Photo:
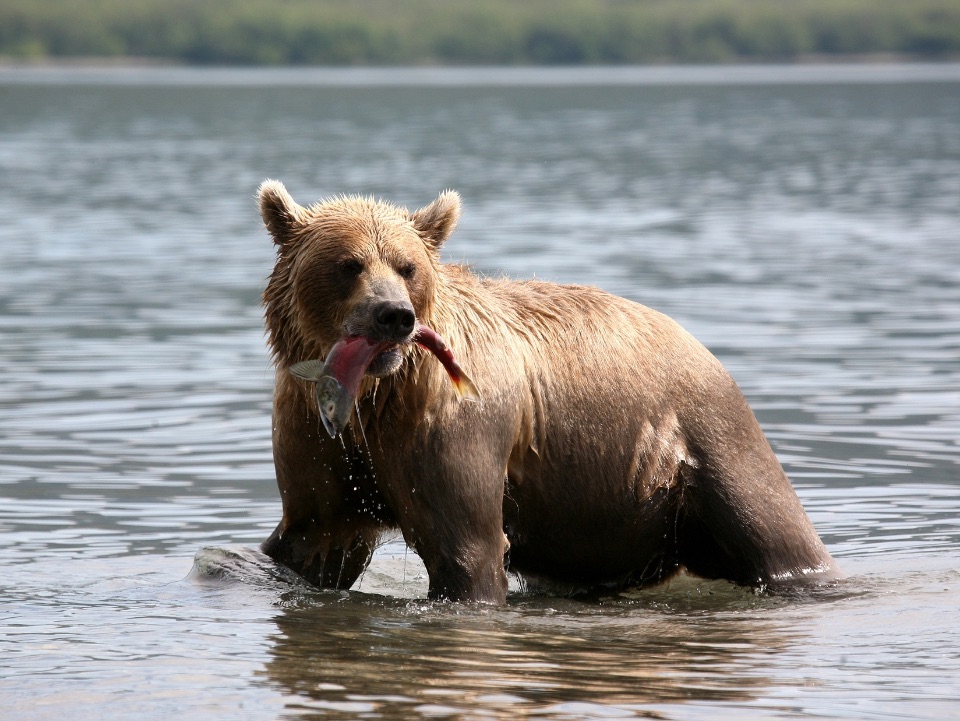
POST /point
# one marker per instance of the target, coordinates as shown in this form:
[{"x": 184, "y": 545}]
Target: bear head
[{"x": 351, "y": 266}]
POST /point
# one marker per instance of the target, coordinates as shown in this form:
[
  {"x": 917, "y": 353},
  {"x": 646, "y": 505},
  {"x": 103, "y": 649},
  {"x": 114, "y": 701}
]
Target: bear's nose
[{"x": 395, "y": 319}]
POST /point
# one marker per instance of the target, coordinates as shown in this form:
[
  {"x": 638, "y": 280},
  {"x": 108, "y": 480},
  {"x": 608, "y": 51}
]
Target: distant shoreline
[
  {"x": 152, "y": 74},
  {"x": 348, "y": 33},
  {"x": 839, "y": 59}
]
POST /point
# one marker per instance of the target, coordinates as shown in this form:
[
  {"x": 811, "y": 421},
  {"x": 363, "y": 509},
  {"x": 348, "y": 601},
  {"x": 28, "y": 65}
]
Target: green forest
[{"x": 475, "y": 32}]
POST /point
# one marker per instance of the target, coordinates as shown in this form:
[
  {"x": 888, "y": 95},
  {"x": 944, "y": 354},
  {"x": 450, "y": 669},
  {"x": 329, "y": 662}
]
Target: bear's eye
[
  {"x": 351, "y": 267},
  {"x": 407, "y": 271}
]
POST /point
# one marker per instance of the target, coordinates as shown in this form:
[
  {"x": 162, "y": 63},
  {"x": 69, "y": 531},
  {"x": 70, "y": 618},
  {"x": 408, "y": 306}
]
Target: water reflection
[
  {"x": 366, "y": 654},
  {"x": 538, "y": 658}
]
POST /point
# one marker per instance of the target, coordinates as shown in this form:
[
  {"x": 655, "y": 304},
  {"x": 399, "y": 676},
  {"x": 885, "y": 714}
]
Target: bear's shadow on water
[{"x": 363, "y": 653}]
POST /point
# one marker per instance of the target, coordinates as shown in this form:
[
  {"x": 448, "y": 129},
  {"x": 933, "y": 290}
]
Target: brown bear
[{"x": 608, "y": 448}]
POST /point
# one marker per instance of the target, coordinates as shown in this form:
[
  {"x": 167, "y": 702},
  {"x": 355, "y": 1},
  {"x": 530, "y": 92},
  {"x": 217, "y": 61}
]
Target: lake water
[{"x": 804, "y": 223}]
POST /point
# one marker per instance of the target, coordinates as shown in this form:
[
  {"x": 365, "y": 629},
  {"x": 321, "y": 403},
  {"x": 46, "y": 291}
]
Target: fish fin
[
  {"x": 310, "y": 370},
  {"x": 465, "y": 388}
]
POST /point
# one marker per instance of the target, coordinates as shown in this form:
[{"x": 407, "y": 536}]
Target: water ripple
[{"x": 806, "y": 233}]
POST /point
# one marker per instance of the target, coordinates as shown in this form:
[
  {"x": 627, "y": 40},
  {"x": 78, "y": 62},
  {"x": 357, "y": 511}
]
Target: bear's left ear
[
  {"x": 436, "y": 221},
  {"x": 280, "y": 213}
]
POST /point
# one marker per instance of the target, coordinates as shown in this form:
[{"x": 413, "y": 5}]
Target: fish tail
[{"x": 464, "y": 387}]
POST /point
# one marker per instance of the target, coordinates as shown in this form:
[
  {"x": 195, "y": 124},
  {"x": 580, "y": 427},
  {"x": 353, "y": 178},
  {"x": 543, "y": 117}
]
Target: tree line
[{"x": 493, "y": 32}]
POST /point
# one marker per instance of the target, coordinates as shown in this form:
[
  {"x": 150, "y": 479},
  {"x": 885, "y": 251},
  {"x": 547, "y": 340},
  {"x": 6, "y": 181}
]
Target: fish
[
  {"x": 428, "y": 339},
  {"x": 333, "y": 400},
  {"x": 337, "y": 378}
]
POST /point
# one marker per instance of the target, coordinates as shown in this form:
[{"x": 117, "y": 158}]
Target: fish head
[{"x": 335, "y": 404}]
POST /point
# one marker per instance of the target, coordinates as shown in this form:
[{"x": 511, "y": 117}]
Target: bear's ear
[
  {"x": 279, "y": 211},
  {"x": 436, "y": 221}
]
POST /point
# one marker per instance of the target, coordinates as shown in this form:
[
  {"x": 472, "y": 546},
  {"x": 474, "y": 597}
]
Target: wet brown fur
[{"x": 609, "y": 448}]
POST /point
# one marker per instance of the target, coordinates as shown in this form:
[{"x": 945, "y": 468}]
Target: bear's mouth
[
  {"x": 385, "y": 362},
  {"x": 338, "y": 377}
]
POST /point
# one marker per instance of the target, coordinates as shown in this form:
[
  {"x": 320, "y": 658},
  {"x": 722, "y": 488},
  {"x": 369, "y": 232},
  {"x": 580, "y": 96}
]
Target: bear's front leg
[
  {"x": 468, "y": 568},
  {"x": 332, "y": 514},
  {"x": 328, "y": 555},
  {"x": 451, "y": 512}
]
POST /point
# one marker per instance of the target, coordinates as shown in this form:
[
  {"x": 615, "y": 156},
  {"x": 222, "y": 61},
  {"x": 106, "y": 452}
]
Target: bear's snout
[{"x": 394, "y": 319}]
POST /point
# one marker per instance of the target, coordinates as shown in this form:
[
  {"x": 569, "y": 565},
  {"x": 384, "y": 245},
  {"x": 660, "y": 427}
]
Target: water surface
[{"x": 804, "y": 227}]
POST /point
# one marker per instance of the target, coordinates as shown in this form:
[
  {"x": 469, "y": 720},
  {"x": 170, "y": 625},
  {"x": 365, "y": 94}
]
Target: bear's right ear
[{"x": 279, "y": 211}]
